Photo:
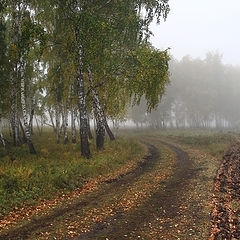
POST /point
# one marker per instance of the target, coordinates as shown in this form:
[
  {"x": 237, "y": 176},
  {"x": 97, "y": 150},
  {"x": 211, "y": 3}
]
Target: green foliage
[
  {"x": 152, "y": 75},
  {"x": 50, "y": 43},
  {"x": 9, "y": 183}
]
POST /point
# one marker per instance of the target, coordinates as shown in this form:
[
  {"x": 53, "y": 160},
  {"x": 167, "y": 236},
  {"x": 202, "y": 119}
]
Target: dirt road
[{"x": 149, "y": 202}]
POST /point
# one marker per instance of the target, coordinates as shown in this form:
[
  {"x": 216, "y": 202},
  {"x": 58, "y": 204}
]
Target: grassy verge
[
  {"x": 212, "y": 141},
  {"x": 57, "y": 168}
]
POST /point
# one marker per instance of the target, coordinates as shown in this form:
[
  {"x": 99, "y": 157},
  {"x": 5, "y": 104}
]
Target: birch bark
[
  {"x": 100, "y": 130},
  {"x": 85, "y": 149},
  {"x": 1, "y": 134},
  {"x": 73, "y": 125},
  {"x": 24, "y": 109}
]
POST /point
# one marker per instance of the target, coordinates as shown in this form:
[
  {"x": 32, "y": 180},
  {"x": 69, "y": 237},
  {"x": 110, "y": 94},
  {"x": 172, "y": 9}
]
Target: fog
[
  {"x": 203, "y": 38},
  {"x": 197, "y": 27},
  {"x": 202, "y": 94}
]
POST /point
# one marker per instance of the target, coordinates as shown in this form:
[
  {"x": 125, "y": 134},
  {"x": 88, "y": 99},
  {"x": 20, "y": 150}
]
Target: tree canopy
[{"x": 78, "y": 58}]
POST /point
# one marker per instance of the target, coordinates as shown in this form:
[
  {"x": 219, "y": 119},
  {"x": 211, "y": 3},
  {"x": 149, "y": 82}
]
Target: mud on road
[
  {"x": 162, "y": 206},
  {"x": 149, "y": 202},
  {"x": 226, "y": 201}
]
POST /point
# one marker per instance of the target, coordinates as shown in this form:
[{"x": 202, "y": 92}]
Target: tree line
[
  {"x": 202, "y": 94},
  {"x": 76, "y": 59}
]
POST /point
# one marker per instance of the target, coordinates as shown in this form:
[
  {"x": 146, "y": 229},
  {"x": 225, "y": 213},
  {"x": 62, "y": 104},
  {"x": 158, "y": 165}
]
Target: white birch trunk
[
  {"x": 57, "y": 117},
  {"x": 73, "y": 125},
  {"x": 100, "y": 131},
  {"x": 24, "y": 109},
  {"x": 85, "y": 149},
  {"x": 65, "y": 123},
  {"x": 14, "y": 109},
  {"x": 1, "y": 134}
]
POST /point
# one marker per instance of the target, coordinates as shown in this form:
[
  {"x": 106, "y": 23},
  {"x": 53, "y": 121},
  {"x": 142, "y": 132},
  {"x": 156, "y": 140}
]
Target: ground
[{"x": 169, "y": 194}]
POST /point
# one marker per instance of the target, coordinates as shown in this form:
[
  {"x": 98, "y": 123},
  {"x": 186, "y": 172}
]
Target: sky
[{"x": 195, "y": 27}]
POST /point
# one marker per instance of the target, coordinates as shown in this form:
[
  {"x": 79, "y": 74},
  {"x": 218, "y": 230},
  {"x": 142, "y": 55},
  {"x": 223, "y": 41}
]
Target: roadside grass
[
  {"x": 57, "y": 168},
  {"x": 214, "y": 142}
]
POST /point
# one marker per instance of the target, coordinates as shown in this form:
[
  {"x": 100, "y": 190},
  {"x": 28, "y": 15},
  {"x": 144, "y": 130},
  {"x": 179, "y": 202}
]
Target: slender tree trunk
[
  {"x": 100, "y": 131},
  {"x": 85, "y": 149},
  {"x": 31, "y": 121},
  {"x": 89, "y": 129},
  {"x": 24, "y": 110},
  {"x": 1, "y": 134},
  {"x": 51, "y": 119},
  {"x": 38, "y": 127},
  {"x": 73, "y": 125},
  {"x": 57, "y": 126},
  {"x": 65, "y": 124},
  {"x": 23, "y": 132},
  {"x": 100, "y": 116},
  {"x": 9, "y": 126},
  {"x": 14, "y": 109},
  {"x": 42, "y": 122},
  {"x": 109, "y": 132}
]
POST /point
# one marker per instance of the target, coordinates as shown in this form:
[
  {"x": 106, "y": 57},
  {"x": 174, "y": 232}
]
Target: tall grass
[{"x": 56, "y": 168}]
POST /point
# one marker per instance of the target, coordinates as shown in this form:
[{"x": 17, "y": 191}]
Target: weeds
[{"x": 56, "y": 168}]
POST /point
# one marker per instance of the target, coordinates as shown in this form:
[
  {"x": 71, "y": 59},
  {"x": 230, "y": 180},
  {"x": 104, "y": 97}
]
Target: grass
[
  {"x": 56, "y": 168},
  {"x": 212, "y": 141}
]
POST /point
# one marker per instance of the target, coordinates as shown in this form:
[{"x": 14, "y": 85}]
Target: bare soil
[
  {"x": 162, "y": 205},
  {"x": 226, "y": 200},
  {"x": 149, "y": 202}
]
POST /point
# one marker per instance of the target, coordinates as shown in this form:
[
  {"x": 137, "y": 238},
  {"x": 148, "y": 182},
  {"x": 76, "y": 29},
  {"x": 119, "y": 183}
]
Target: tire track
[
  {"x": 130, "y": 225},
  {"x": 45, "y": 222}
]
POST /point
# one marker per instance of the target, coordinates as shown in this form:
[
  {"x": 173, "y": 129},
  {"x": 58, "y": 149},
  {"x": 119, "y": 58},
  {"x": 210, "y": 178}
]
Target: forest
[
  {"x": 201, "y": 94},
  {"x": 77, "y": 60}
]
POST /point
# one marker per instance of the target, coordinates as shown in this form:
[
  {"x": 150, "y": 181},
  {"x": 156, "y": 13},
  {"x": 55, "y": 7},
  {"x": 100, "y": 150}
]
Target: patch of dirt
[
  {"x": 44, "y": 207},
  {"x": 156, "y": 217},
  {"x": 107, "y": 185},
  {"x": 226, "y": 200},
  {"x": 150, "y": 201}
]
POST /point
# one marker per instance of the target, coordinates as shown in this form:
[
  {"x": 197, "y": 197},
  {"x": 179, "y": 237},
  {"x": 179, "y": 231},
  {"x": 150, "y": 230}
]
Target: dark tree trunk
[
  {"x": 51, "y": 118},
  {"x": 99, "y": 139},
  {"x": 90, "y": 136},
  {"x": 65, "y": 124},
  {"x": 31, "y": 121},
  {"x": 85, "y": 149},
  {"x": 100, "y": 131},
  {"x": 109, "y": 132}
]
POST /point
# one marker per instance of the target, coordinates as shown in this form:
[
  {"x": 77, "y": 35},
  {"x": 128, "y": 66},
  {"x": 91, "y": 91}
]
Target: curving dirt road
[
  {"x": 146, "y": 203},
  {"x": 162, "y": 204}
]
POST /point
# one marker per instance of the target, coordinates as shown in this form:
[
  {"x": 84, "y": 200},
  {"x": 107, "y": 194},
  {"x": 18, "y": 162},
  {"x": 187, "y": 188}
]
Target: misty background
[
  {"x": 197, "y": 27},
  {"x": 204, "y": 92}
]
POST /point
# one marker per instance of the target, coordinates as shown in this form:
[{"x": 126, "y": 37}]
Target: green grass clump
[{"x": 56, "y": 168}]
